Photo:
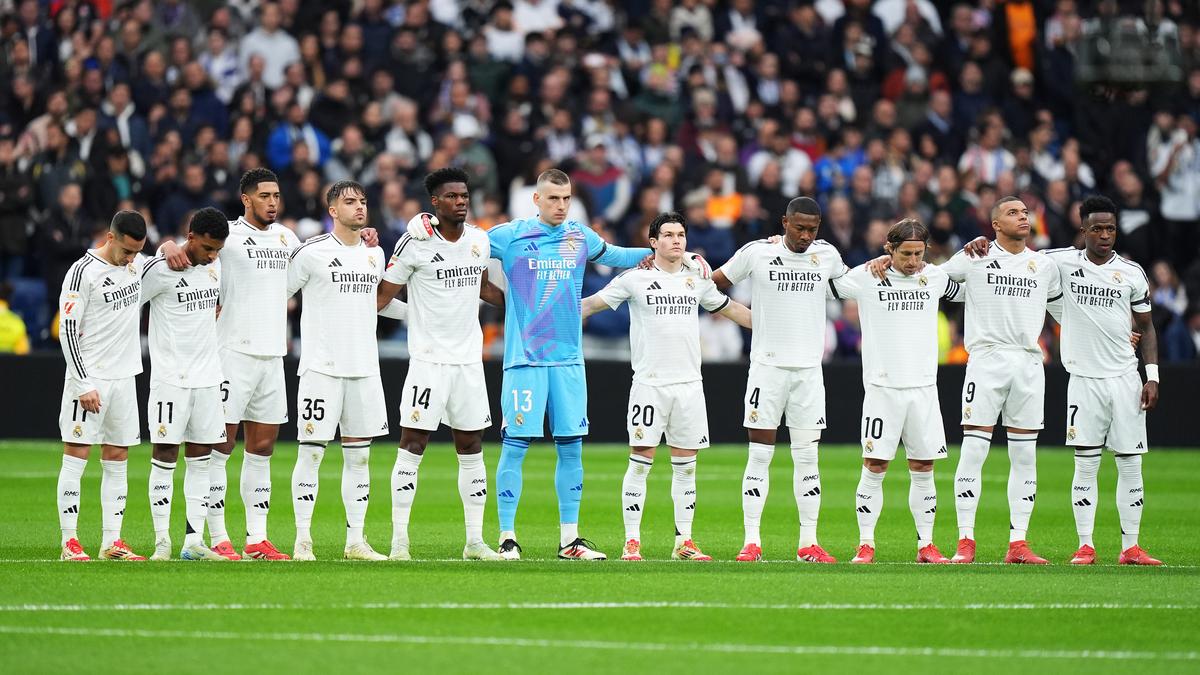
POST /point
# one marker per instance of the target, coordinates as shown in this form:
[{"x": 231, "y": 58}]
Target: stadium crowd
[{"x": 721, "y": 110}]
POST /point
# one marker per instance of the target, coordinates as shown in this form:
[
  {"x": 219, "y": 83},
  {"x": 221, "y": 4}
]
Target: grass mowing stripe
[
  {"x": 649, "y": 604},
  {"x": 720, "y": 648}
]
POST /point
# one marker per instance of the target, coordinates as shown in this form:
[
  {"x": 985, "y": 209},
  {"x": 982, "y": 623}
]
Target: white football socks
[
  {"x": 756, "y": 482},
  {"x": 968, "y": 483},
  {"x": 633, "y": 495},
  {"x": 218, "y": 482},
  {"x": 356, "y": 487},
  {"x": 683, "y": 494},
  {"x": 306, "y": 485},
  {"x": 69, "y": 477},
  {"x": 404, "y": 490},
  {"x": 256, "y": 495},
  {"x": 922, "y": 501},
  {"x": 806, "y": 483},
  {"x": 114, "y": 489},
  {"x": 1083, "y": 495},
  {"x": 472, "y": 489},
  {"x": 162, "y": 490},
  {"x": 1130, "y": 497},
  {"x": 868, "y": 502},
  {"x": 195, "y": 495},
  {"x": 1022, "y": 483}
]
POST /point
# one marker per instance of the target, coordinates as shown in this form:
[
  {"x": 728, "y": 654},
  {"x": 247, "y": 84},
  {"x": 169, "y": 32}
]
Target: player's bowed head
[{"x": 906, "y": 243}]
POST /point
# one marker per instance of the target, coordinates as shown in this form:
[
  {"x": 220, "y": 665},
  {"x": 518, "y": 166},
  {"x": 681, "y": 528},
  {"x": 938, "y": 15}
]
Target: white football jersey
[
  {"x": 443, "y": 281},
  {"x": 99, "y": 315},
  {"x": 1006, "y": 297},
  {"x": 788, "y": 299},
  {"x": 664, "y": 332},
  {"x": 899, "y": 316},
  {"x": 1096, "y": 320},
  {"x": 254, "y": 298},
  {"x": 337, "y": 321},
  {"x": 183, "y": 323}
]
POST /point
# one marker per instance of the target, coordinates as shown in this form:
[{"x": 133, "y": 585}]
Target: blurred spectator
[
  {"x": 13, "y": 337},
  {"x": 16, "y": 196},
  {"x": 606, "y": 183},
  {"x": 276, "y": 47}
]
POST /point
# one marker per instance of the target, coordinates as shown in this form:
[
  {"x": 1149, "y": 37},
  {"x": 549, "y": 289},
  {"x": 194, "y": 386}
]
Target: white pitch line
[
  {"x": 643, "y": 563},
  {"x": 717, "y": 648},
  {"x": 665, "y": 604}
]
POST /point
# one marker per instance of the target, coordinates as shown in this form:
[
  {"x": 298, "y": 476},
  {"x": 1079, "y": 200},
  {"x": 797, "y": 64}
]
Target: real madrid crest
[
  {"x": 308, "y": 429},
  {"x": 371, "y": 260},
  {"x": 475, "y": 253},
  {"x": 967, "y": 413},
  {"x": 572, "y": 244},
  {"x": 1117, "y": 277},
  {"x": 212, "y": 274},
  {"x": 129, "y": 268},
  {"x": 162, "y": 431},
  {"x": 520, "y": 419},
  {"x": 753, "y": 415},
  {"x": 1032, "y": 266},
  {"x": 923, "y": 280},
  {"x": 1071, "y": 433},
  {"x": 690, "y": 283},
  {"x": 870, "y": 446},
  {"x": 415, "y": 416},
  {"x": 77, "y": 432},
  {"x": 637, "y": 433},
  {"x": 814, "y": 260},
  {"x": 283, "y": 240}
]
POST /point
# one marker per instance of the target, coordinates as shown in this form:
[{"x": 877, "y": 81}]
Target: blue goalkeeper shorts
[{"x": 530, "y": 393}]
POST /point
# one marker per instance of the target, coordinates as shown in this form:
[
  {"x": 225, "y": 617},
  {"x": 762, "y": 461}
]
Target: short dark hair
[
  {"x": 209, "y": 222},
  {"x": 130, "y": 224},
  {"x": 253, "y": 177},
  {"x": 554, "y": 177},
  {"x": 909, "y": 229},
  {"x": 664, "y": 218},
  {"x": 1096, "y": 204},
  {"x": 450, "y": 174},
  {"x": 804, "y": 205},
  {"x": 342, "y": 187},
  {"x": 1001, "y": 202}
]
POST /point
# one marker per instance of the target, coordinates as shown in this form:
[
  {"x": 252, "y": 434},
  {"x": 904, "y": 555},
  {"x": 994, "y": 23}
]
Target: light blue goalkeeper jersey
[{"x": 544, "y": 266}]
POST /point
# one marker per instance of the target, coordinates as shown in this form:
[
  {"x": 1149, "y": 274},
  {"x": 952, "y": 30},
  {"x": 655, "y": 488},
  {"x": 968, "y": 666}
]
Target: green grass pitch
[{"x": 543, "y": 615}]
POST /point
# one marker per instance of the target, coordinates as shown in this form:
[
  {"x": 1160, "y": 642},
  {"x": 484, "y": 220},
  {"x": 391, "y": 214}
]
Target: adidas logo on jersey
[
  {"x": 886, "y": 282},
  {"x": 406, "y": 487},
  {"x": 531, "y": 247},
  {"x": 752, "y": 492},
  {"x": 263, "y": 505},
  {"x": 1139, "y": 502},
  {"x": 182, "y": 284},
  {"x": 437, "y": 258},
  {"x": 994, "y": 265},
  {"x": 1083, "y": 502},
  {"x": 481, "y": 493},
  {"x": 335, "y": 263},
  {"x": 1141, "y": 446},
  {"x": 364, "y": 498},
  {"x": 306, "y": 498},
  {"x": 969, "y": 494},
  {"x": 863, "y": 509},
  {"x": 1077, "y": 273},
  {"x": 108, "y": 282},
  {"x": 704, "y": 439},
  {"x": 813, "y": 492},
  {"x": 162, "y": 502},
  {"x": 583, "y": 423},
  {"x": 508, "y": 494},
  {"x": 633, "y": 507},
  {"x": 778, "y": 262},
  {"x": 250, "y": 241},
  {"x": 654, "y": 287}
]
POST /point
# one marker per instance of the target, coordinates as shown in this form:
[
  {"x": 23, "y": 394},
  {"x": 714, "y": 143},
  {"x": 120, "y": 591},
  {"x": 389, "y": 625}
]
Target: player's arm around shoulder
[
  {"x": 298, "y": 267},
  {"x": 739, "y": 266}
]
